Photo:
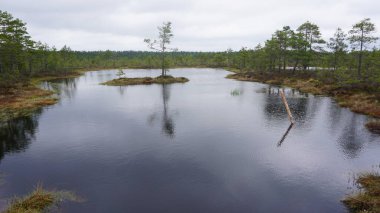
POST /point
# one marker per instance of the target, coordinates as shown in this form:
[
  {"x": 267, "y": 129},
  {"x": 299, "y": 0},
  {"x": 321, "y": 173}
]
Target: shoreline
[
  {"x": 24, "y": 99},
  {"x": 356, "y": 100},
  {"x": 145, "y": 81}
]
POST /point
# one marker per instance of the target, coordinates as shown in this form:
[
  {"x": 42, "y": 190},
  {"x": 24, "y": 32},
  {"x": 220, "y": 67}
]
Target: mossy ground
[
  {"x": 146, "y": 80},
  {"x": 49, "y": 77},
  {"x": 368, "y": 199},
  {"x": 24, "y": 98},
  {"x": 39, "y": 200},
  {"x": 373, "y": 126},
  {"x": 357, "y": 99}
]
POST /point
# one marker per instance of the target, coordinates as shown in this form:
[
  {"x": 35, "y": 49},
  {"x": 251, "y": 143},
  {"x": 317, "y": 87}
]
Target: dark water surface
[{"x": 210, "y": 145}]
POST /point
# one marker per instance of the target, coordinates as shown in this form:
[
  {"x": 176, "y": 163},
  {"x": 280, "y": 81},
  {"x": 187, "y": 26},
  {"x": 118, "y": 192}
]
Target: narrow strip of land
[{"x": 146, "y": 80}]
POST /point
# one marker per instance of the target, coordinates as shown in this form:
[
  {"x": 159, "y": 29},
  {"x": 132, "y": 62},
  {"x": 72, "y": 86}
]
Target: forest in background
[
  {"x": 348, "y": 64},
  {"x": 346, "y": 59}
]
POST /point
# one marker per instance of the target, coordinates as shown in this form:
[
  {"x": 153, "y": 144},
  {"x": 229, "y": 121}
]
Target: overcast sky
[{"x": 198, "y": 25}]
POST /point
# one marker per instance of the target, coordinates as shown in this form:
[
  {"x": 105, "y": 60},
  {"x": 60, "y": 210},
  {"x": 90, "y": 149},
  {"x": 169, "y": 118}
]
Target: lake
[{"x": 209, "y": 145}]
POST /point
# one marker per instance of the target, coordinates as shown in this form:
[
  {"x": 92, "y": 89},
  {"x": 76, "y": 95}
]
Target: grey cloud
[{"x": 198, "y": 24}]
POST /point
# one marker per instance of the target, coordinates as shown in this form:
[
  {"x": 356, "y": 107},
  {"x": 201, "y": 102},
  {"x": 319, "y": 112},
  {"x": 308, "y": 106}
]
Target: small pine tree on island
[{"x": 120, "y": 73}]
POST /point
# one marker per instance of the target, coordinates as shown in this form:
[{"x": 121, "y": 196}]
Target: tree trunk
[
  {"x": 30, "y": 66},
  {"x": 12, "y": 63},
  {"x": 163, "y": 64},
  {"x": 295, "y": 66},
  {"x": 360, "y": 62},
  {"x": 360, "y": 57}
]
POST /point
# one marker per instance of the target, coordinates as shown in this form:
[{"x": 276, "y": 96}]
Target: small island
[
  {"x": 167, "y": 79},
  {"x": 161, "y": 46}
]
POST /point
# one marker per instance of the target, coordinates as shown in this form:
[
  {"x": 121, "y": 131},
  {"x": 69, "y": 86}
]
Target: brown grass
[
  {"x": 50, "y": 76},
  {"x": 22, "y": 100},
  {"x": 357, "y": 99},
  {"x": 368, "y": 199},
  {"x": 373, "y": 126},
  {"x": 39, "y": 200},
  {"x": 360, "y": 102},
  {"x": 309, "y": 86}
]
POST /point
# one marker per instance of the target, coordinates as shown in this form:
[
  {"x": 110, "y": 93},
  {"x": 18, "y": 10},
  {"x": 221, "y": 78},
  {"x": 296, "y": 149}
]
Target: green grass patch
[{"x": 145, "y": 81}]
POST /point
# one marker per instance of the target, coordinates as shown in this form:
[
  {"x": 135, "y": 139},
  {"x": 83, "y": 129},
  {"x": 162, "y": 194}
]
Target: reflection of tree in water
[
  {"x": 16, "y": 135},
  {"x": 275, "y": 110},
  {"x": 121, "y": 90},
  {"x": 350, "y": 140},
  {"x": 69, "y": 87},
  {"x": 168, "y": 126},
  {"x": 335, "y": 117},
  {"x": 346, "y": 126},
  {"x": 167, "y": 121},
  {"x": 63, "y": 87}
]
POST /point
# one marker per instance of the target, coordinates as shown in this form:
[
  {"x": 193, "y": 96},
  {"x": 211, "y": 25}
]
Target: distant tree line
[{"x": 346, "y": 58}]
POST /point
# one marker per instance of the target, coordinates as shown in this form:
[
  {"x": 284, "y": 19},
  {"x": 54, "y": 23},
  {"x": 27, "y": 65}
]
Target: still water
[{"x": 210, "y": 145}]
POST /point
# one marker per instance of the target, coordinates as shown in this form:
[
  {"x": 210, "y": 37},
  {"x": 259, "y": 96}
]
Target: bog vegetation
[
  {"x": 40, "y": 200},
  {"x": 347, "y": 58},
  {"x": 347, "y": 64},
  {"x": 368, "y": 199},
  {"x": 167, "y": 79},
  {"x": 161, "y": 45}
]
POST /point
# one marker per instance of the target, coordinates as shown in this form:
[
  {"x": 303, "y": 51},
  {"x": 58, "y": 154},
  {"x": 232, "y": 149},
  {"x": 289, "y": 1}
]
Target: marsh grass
[
  {"x": 368, "y": 198},
  {"x": 49, "y": 77},
  {"x": 373, "y": 126},
  {"x": 360, "y": 102},
  {"x": 145, "y": 80},
  {"x": 236, "y": 92},
  {"x": 356, "y": 98},
  {"x": 23, "y": 100},
  {"x": 40, "y": 200}
]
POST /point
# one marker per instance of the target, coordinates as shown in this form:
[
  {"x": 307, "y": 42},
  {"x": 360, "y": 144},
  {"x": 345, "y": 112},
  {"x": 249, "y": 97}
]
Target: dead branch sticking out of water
[{"x": 291, "y": 119}]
